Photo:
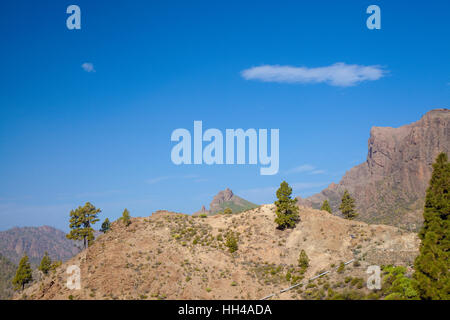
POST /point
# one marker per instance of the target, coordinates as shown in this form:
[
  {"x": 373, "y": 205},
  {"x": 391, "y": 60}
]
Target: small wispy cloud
[
  {"x": 305, "y": 168},
  {"x": 164, "y": 178},
  {"x": 88, "y": 67},
  {"x": 338, "y": 74},
  {"x": 302, "y": 168}
]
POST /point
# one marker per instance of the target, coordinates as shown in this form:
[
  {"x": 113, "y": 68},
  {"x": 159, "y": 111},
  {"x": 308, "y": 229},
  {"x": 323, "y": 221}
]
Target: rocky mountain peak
[{"x": 390, "y": 186}]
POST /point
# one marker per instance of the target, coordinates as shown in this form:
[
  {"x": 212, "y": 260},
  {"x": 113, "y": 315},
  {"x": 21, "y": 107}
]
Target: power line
[{"x": 311, "y": 279}]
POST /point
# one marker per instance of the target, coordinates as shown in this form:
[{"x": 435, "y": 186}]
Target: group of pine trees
[
  {"x": 24, "y": 273},
  {"x": 287, "y": 210},
  {"x": 431, "y": 278},
  {"x": 81, "y": 221},
  {"x": 347, "y": 206}
]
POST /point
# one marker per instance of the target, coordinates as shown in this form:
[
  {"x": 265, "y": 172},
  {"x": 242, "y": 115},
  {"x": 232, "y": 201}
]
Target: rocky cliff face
[{"x": 390, "y": 186}]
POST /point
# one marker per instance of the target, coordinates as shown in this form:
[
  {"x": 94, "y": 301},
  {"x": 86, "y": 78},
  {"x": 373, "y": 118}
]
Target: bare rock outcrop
[{"x": 390, "y": 186}]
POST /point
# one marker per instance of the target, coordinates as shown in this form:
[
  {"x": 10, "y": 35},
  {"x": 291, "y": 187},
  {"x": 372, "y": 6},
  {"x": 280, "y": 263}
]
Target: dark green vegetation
[
  {"x": 303, "y": 260},
  {"x": 106, "y": 225},
  {"x": 326, "y": 206},
  {"x": 432, "y": 266},
  {"x": 46, "y": 264},
  {"x": 81, "y": 221},
  {"x": 347, "y": 206},
  {"x": 396, "y": 285},
  {"x": 7, "y": 272},
  {"x": 232, "y": 242},
  {"x": 287, "y": 210},
  {"x": 23, "y": 274},
  {"x": 126, "y": 218}
]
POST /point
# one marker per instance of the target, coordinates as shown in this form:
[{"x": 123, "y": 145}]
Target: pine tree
[
  {"x": 347, "y": 206},
  {"x": 106, "y": 225},
  {"x": 46, "y": 263},
  {"x": 81, "y": 221},
  {"x": 126, "y": 218},
  {"x": 303, "y": 260},
  {"x": 232, "y": 242},
  {"x": 326, "y": 206},
  {"x": 287, "y": 210},
  {"x": 23, "y": 274},
  {"x": 432, "y": 265}
]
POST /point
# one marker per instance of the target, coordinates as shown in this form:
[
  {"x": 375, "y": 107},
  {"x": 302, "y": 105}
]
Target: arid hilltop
[
  {"x": 176, "y": 256},
  {"x": 390, "y": 186}
]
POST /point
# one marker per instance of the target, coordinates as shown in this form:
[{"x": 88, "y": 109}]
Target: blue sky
[{"x": 68, "y": 136}]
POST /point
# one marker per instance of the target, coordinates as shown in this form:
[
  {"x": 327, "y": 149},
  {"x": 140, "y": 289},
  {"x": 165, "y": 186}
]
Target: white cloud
[
  {"x": 88, "y": 67},
  {"x": 306, "y": 168},
  {"x": 338, "y": 74},
  {"x": 302, "y": 168}
]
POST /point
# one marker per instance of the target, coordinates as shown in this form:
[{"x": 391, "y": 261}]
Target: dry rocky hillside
[
  {"x": 390, "y": 186},
  {"x": 176, "y": 256}
]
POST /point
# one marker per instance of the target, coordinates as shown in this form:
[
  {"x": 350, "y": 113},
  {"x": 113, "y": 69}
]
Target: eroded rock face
[
  {"x": 221, "y": 197},
  {"x": 390, "y": 186}
]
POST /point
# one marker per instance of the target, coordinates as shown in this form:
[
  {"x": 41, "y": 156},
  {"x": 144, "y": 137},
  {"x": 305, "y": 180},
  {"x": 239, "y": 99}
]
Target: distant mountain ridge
[
  {"x": 226, "y": 199},
  {"x": 34, "y": 241},
  {"x": 390, "y": 186}
]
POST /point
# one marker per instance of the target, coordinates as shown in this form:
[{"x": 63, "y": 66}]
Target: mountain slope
[
  {"x": 177, "y": 256},
  {"x": 35, "y": 241},
  {"x": 390, "y": 186}
]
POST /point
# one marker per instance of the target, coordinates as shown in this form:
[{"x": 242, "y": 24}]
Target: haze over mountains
[
  {"x": 390, "y": 186},
  {"x": 34, "y": 241}
]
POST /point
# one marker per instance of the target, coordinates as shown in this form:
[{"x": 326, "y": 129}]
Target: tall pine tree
[
  {"x": 347, "y": 206},
  {"x": 23, "y": 274},
  {"x": 46, "y": 263},
  {"x": 106, "y": 225},
  {"x": 126, "y": 218},
  {"x": 287, "y": 210},
  {"x": 81, "y": 221},
  {"x": 432, "y": 266}
]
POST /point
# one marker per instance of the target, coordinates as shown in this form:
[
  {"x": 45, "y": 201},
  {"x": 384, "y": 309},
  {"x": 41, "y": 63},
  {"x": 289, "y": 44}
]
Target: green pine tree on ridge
[
  {"x": 432, "y": 265},
  {"x": 23, "y": 274},
  {"x": 286, "y": 207}
]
